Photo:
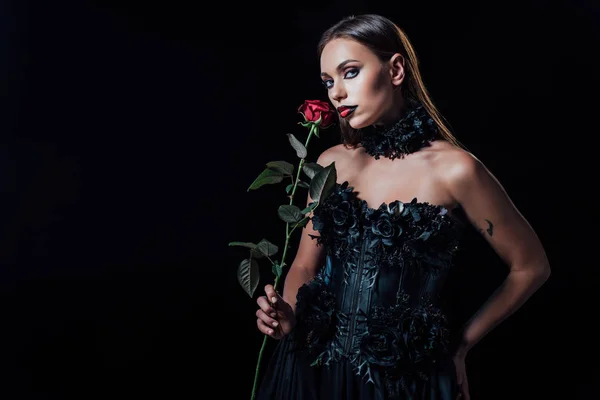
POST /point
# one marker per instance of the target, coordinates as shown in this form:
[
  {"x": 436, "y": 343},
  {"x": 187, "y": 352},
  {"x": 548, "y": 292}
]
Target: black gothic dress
[{"x": 372, "y": 324}]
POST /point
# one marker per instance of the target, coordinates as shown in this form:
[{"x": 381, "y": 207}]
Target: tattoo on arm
[{"x": 490, "y": 229}]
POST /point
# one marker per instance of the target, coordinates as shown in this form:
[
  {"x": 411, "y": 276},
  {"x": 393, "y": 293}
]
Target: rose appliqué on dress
[
  {"x": 315, "y": 313},
  {"x": 383, "y": 346},
  {"x": 337, "y": 219}
]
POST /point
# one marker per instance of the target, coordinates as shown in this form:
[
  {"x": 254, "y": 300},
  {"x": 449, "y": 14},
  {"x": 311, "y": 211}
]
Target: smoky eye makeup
[
  {"x": 351, "y": 72},
  {"x": 348, "y": 73},
  {"x": 327, "y": 83}
]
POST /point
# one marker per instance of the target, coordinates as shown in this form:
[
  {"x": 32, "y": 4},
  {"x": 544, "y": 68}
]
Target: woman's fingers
[
  {"x": 271, "y": 322},
  {"x": 272, "y": 294},
  {"x": 264, "y": 328},
  {"x": 268, "y": 314},
  {"x": 264, "y": 305}
]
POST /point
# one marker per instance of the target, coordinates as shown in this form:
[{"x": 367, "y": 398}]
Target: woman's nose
[{"x": 338, "y": 92}]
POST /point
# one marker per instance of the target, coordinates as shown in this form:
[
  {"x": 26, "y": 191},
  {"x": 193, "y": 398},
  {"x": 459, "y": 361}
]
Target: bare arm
[
  {"x": 308, "y": 259},
  {"x": 490, "y": 210},
  {"x": 274, "y": 318}
]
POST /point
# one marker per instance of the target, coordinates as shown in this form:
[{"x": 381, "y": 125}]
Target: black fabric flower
[
  {"x": 383, "y": 346},
  {"x": 315, "y": 314},
  {"x": 344, "y": 219},
  {"x": 337, "y": 219},
  {"x": 418, "y": 334},
  {"x": 385, "y": 226},
  {"x": 427, "y": 334},
  {"x": 416, "y": 233}
]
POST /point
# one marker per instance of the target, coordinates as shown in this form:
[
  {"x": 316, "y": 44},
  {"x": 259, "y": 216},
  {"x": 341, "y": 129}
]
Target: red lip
[{"x": 345, "y": 110}]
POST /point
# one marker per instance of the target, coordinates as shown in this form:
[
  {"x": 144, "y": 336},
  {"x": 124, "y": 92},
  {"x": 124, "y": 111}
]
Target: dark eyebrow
[{"x": 340, "y": 66}]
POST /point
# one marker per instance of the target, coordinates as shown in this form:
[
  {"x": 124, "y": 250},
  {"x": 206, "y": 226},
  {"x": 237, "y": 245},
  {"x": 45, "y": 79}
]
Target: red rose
[{"x": 312, "y": 110}]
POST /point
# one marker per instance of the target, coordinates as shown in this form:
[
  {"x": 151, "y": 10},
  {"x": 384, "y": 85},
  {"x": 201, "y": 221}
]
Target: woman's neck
[
  {"x": 413, "y": 130},
  {"x": 396, "y": 111}
]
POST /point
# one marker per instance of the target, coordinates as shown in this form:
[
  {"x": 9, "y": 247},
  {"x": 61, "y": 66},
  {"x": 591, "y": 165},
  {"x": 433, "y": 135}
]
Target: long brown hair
[{"x": 384, "y": 38}]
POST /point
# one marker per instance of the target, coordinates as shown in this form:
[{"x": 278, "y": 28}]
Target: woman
[{"x": 362, "y": 314}]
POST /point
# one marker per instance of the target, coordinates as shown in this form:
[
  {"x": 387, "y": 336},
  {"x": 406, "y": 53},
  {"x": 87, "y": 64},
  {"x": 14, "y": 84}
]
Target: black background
[{"x": 131, "y": 130}]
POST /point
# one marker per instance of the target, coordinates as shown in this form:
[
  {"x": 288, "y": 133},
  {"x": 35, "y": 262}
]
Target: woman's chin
[{"x": 357, "y": 122}]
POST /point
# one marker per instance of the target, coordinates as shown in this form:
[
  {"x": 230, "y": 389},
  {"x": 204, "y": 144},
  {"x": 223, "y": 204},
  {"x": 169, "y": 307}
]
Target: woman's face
[{"x": 359, "y": 85}]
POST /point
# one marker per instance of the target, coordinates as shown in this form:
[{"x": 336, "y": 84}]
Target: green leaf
[
  {"x": 297, "y": 145},
  {"x": 277, "y": 269},
  {"x": 288, "y": 188},
  {"x": 311, "y": 168},
  {"x": 289, "y": 213},
  {"x": 243, "y": 244},
  {"x": 302, "y": 223},
  {"x": 284, "y": 167},
  {"x": 254, "y": 252},
  {"x": 267, "y": 248},
  {"x": 303, "y": 184},
  {"x": 323, "y": 182},
  {"x": 267, "y": 177},
  {"x": 310, "y": 207},
  {"x": 248, "y": 275}
]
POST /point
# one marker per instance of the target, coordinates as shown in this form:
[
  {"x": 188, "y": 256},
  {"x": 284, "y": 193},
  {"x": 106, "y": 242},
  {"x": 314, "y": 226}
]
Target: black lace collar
[{"x": 412, "y": 132}]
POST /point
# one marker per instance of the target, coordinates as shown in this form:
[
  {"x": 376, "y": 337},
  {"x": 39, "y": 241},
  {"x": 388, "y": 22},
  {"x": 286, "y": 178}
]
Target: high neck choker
[{"x": 412, "y": 132}]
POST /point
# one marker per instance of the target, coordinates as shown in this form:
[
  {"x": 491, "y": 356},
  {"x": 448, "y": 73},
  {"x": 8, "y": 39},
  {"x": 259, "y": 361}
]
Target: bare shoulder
[
  {"x": 453, "y": 164},
  {"x": 459, "y": 170},
  {"x": 490, "y": 210},
  {"x": 338, "y": 154}
]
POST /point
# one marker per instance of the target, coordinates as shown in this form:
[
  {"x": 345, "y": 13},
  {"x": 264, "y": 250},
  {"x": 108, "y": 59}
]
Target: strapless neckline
[{"x": 364, "y": 204}]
